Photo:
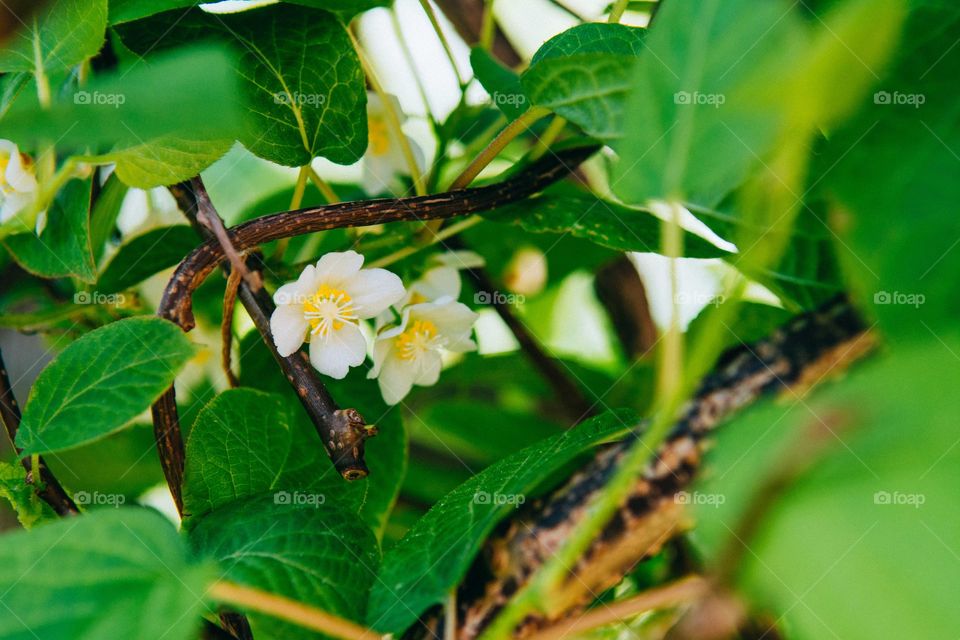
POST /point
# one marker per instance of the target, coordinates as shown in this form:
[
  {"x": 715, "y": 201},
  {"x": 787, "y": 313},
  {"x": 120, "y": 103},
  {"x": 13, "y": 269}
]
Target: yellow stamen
[
  {"x": 379, "y": 136},
  {"x": 420, "y": 337},
  {"x": 328, "y": 310}
]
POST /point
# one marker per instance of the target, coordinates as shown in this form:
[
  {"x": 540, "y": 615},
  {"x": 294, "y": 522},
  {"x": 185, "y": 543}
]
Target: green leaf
[
  {"x": 435, "y": 554},
  {"x": 239, "y": 446},
  {"x": 309, "y": 467},
  {"x": 115, "y": 573},
  {"x": 584, "y": 75},
  {"x": 501, "y": 83},
  {"x": 885, "y": 487},
  {"x": 696, "y": 98},
  {"x": 166, "y": 161},
  {"x": 303, "y": 81},
  {"x": 63, "y": 247},
  {"x": 169, "y": 96},
  {"x": 103, "y": 217},
  {"x": 101, "y": 382},
  {"x": 146, "y": 254},
  {"x": 318, "y": 553},
  {"x": 128, "y": 10},
  {"x": 64, "y": 34},
  {"x": 14, "y": 489},
  {"x": 609, "y": 224},
  {"x": 887, "y": 171}
]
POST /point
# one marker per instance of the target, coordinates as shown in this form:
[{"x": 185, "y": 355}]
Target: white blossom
[
  {"x": 384, "y": 159},
  {"x": 18, "y": 184},
  {"x": 410, "y": 353},
  {"x": 325, "y": 306}
]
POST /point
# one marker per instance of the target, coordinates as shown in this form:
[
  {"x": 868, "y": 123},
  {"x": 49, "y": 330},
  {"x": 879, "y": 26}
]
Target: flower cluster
[{"x": 330, "y": 301}]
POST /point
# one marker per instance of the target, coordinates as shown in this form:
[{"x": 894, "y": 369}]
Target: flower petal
[
  {"x": 296, "y": 293},
  {"x": 454, "y": 321},
  {"x": 429, "y": 365},
  {"x": 373, "y": 291},
  {"x": 437, "y": 283},
  {"x": 289, "y": 329},
  {"x": 336, "y": 267},
  {"x": 396, "y": 379},
  {"x": 334, "y": 354}
]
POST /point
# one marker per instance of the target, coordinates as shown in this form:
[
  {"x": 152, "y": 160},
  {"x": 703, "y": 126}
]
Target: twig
[
  {"x": 290, "y": 610},
  {"x": 467, "y": 17},
  {"x": 621, "y": 292},
  {"x": 226, "y": 326},
  {"x": 208, "y": 219},
  {"x": 47, "y": 487},
  {"x": 663, "y": 597}
]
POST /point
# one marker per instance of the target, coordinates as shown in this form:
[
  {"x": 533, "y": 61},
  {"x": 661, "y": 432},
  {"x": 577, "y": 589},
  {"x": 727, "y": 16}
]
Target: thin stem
[
  {"x": 488, "y": 28},
  {"x": 323, "y": 186},
  {"x": 662, "y": 597},
  {"x": 617, "y": 11},
  {"x": 439, "y": 236},
  {"x": 498, "y": 144},
  {"x": 428, "y": 9},
  {"x": 226, "y": 327},
  {"x": 408, "y": 56},
  {"x": 671, "y": 354},
  {"x": 450, "y": 616},
  {"x": 549, "y": 135},
  {"x": 393, "y": 118},
  {"x": 295, "y": 202},
  {"x": 293, "y": 611}
]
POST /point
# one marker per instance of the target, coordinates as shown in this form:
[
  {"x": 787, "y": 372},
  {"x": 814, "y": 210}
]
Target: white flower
[
  {"x": 409, "y": 354},
  {"x": 18, "y": 184},
  {"x": 384, "y": 157},
  {"x": 325, "y": 306}
]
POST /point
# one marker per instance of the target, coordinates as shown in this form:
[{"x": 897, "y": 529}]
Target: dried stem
[{"x": 47, "y": 487}]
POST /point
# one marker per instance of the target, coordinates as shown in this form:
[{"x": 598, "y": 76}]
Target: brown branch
[
  {"x": 621, "y": 292},
  {"x": 810, "y": 345},
  {"x": 47, "y": 487},
  {"x": 466, "y": 16},
  {"x": 567, "y": 391},
  {"x": 176, "y": 305},
  {"x": 226, "y": 325}
]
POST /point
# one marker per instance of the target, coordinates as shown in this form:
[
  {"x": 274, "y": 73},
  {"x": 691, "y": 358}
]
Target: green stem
[
  {"x": 488, "y": 27},
  {"x": 671, "y": 360},
  {"x": 492, "y": 150},
  {"x": 428, "y": 9},
  {"x": 300, "y": 187},
  {"x": 617, "y": 12},
  {"x": 323, "y": 186},
  {"x": 438, "y": 236},
  {"x": 393, "y": 118},
  {"x": 543, "y": 144}
]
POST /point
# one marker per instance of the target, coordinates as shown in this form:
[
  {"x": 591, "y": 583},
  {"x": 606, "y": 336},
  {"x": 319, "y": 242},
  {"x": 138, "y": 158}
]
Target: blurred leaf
[
  {"x": 584, "y": 74},
  {"x": 885, "y": 490},
  {"x": 582, "y": 215},
  {"x": 887, "y": 170},
  {"x": 146, "y": 254},
  {"x": 166, "y": 161},
  {"x": 170, "y": 94},
  {"x": 310, "y": 468},
  {"x": 697, "y": 123},
  {"x": 66, "y": 33},
  {"x": 21, "y": 496},
  {"x": 501, "y": 83},
  {"x": 116, "y": 573},
  {"x": 316, "y": 553},
  {"x": 101, "y": 382},
  {"x": 63, "y": 247},
  {"x": 11, "y": 84},
  {"x": 446, "y": 540},
  {"x": 303, "y": 82}
]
